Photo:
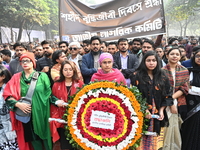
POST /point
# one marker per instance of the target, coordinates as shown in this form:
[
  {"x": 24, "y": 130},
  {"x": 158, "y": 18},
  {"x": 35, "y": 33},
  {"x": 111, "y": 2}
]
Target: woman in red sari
[
  {"x": 34, "y": 134},
  {"x": 65, "y": 87}
]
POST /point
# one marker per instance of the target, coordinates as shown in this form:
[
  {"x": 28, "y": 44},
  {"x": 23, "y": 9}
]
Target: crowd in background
[{"x": 166, "y": 71}]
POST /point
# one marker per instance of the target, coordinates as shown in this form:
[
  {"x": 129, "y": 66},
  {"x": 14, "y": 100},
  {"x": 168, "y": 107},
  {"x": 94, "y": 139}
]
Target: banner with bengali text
[{"x": 111, "y": 20}]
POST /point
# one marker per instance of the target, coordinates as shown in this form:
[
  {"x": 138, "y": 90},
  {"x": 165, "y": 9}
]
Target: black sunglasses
[{"x": 73, "y": 48}]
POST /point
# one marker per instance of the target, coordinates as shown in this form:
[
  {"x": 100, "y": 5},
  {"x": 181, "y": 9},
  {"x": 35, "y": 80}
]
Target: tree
[
  {"x": 20, "y": 12},
  {"x": 182, "y": 11},
  {"x": 29, "y": 27},
  {"x": 54, "y": 20}
]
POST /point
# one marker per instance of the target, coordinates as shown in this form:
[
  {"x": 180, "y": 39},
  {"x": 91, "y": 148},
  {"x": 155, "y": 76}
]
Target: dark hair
[
  {"x": 4, "y": 46},
  {"x": 137, "y": 40},
  {"x": 46, "y": 42},
  {"x": 106, "y": 44},
  {"x": 158, "y": 73},
  {"x": 130, "y": 42},
  {"x": 86, "y": 42},
  {"x": 167, "y": 46},
  {"x": 72, "y": 64},
  {"x": 194, "y": 39},
  {"x": 95, "y": 38},
  {"x": 122, "y": 40},
  {"x": 179, "y": 38},
  {"x": 19, "y": 44},
  {"x": 196, "y": 48},
  {"x": 6, "y": 52},
  {"x": 181, "y": 46},
  {"x": 171, "y": 49},
  {"x": 112, "y": 43},
  {"x": 6, "y": 73},
  {"x": 172, "y": 40},
  {"x": 143, "y": 39},
  {"x": 150, "y": 42},
  {"x": 159, "y": 47},
  {"x": 56, "y": 55},
  {"x": 63, "y": 42},
  {"x": 193, "y": 59}
]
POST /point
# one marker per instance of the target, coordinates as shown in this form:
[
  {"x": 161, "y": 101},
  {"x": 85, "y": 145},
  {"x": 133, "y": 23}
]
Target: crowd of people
[{"x": 166, "y": 73}]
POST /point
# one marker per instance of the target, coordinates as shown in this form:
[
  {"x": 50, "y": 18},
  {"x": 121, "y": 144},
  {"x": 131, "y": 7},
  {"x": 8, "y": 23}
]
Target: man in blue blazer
[{"x": 90, "y": 61}]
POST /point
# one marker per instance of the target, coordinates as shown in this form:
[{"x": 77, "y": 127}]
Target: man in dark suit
[
  {"x": 125, "y": 62},
  {"x": 90, "y": 61}
]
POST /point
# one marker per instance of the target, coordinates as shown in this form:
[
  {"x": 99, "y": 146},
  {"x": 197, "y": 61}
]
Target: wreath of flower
[{"x": 105, "y": 115}]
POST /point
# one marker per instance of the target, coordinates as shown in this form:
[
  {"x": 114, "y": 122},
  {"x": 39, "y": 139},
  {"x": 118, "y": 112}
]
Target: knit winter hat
[
  {"x": 30, "y": 56},
  {"x": 104, "y": 56}
]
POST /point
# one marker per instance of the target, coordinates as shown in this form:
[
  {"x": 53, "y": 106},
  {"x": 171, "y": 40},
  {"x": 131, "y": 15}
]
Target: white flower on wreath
[
  {"x": 90, "y": 93},
  {"x": 109, "y": 91}
]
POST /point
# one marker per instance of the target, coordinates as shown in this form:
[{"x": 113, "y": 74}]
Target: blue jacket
[
  {"x": 187, "y": 63},
  {"x": 87, "y": 67}
]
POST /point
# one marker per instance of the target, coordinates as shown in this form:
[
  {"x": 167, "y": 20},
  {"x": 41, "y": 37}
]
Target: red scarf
[
  {"x": 60, "y": 91},
  {"x": 13, "y": 89},
  {"x": 115, "y": 76}
]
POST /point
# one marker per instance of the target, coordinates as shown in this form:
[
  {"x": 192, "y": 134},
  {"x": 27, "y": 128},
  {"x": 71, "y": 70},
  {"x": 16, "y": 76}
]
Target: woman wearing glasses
[{"x": 36, "y": 132}]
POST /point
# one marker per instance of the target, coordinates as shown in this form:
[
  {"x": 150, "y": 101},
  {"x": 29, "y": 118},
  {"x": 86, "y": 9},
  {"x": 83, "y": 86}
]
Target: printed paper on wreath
[{"x": 104, "y": 120}]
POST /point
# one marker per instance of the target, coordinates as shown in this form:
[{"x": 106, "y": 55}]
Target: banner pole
[{"x": 60, "y": 37}]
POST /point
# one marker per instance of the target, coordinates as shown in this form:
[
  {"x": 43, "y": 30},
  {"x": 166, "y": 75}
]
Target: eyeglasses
[
  {"x": 25, "y": 61},
  {"x": 73, "y": 48},
  {"x": 193, "y": 43},
  {"x": 197, "y": 56}
]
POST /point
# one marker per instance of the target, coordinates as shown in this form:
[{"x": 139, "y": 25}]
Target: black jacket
[
  {"x": 153, "y": 93},
  {"x": 132, "y": 64}
]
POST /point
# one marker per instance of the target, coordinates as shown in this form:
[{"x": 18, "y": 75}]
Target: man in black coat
[{"x": 124, "y": 61}]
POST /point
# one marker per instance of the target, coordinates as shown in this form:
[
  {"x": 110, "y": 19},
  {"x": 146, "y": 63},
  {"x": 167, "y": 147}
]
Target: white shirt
[{"x": 75, "y": 60}]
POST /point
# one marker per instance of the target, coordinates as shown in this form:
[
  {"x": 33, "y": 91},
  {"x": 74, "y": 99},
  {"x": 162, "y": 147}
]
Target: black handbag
[{"x": 19, "y": 114}]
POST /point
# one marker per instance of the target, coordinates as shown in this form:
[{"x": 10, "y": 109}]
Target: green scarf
[{"x": 40, "y": 105}]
